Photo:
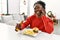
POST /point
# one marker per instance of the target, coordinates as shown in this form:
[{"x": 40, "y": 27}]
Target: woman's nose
[{"x": 37, "y": 9}]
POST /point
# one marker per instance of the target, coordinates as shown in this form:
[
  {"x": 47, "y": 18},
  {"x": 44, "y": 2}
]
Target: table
[{"x": 8, "y": 32}]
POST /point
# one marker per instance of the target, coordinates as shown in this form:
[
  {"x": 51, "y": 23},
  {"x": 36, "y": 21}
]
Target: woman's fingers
[
  {"x": 43, "y": 11},
  {"x": 18, "y": 27}
]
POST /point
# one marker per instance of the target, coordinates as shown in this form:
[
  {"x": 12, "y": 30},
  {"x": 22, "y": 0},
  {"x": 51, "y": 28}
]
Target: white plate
[{"x": 30, "y": 35}]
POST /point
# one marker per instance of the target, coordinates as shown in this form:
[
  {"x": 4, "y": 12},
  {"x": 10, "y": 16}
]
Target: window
[
  {"x": 0, "y": 6},
  {"x": 3, "y": 6}
]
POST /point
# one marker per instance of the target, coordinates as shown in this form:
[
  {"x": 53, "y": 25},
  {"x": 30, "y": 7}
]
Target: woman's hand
[
  {"x": 43, "y": 11},
  {"x": 18, "y": 27}
]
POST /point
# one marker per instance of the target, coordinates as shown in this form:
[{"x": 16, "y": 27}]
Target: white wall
[
  {"x": 23, "y": 7},
  {"x": 17, "y": 6},
  {"x": 13, "y": 6},
  {"x": 54, "y": 6}
]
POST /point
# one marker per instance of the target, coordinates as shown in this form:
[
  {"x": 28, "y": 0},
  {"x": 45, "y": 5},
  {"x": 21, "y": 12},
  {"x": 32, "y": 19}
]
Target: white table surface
[{"x": 7, "y": 32}]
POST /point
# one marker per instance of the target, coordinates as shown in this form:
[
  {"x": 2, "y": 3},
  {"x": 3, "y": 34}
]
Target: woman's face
[{"x": 38, "y": 9}]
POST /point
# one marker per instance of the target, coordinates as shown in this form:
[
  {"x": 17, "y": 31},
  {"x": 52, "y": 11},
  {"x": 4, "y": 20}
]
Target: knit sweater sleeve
[{"x": 48, "y": 24}]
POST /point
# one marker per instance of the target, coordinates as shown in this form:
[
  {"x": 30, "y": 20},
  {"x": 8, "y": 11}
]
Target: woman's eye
[{"x": 36, "y": 8}]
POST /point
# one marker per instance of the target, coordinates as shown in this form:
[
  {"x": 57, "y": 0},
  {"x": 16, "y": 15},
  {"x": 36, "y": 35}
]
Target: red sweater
[{"x": 43, "y": 23}]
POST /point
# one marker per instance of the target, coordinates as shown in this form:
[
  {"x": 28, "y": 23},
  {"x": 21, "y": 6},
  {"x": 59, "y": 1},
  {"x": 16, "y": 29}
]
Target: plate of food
[{"x": 31, "y": 32}]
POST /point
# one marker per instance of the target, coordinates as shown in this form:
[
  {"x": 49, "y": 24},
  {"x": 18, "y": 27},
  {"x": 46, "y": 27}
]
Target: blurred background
[{"x": 14, "y": 11}]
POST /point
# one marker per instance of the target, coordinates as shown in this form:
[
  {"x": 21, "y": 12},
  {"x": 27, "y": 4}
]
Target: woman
[{"x": 39, "y": 19}]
